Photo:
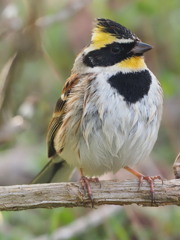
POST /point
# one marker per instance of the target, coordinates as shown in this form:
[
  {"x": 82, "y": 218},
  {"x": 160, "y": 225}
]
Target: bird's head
[{"x": 114, "y": 45}]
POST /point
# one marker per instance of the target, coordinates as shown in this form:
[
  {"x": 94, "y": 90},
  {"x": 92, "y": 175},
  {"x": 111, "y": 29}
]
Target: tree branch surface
[{"x": 22, "y": 197}]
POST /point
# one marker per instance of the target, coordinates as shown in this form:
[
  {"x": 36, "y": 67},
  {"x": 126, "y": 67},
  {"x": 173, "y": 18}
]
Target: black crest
[{"x": 115, "y": 29}]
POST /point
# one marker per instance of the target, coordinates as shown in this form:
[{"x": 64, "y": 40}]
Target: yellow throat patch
[
  {"x": 100, "y": 39},
  {"x": 134, "y": 63}
]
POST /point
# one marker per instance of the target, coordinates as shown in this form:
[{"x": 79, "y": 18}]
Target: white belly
[
  {"x": 109, "y": 148},
  {"x": 112, "y": 133}
]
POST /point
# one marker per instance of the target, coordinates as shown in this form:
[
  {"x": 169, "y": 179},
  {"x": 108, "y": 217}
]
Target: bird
[{"x": 109, "y": 113}]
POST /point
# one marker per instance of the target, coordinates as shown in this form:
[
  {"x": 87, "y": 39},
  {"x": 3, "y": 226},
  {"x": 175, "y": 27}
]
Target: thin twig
[
  {"x": 21, "y": 197},
  {"x": 4, "y": 74}
]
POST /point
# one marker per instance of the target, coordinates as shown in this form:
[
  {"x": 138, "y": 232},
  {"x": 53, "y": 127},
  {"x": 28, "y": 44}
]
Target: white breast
[{"x": 112, "y": 134}]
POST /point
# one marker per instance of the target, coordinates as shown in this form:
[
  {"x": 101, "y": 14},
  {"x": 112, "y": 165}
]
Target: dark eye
[{"x": 115, "y": 49}]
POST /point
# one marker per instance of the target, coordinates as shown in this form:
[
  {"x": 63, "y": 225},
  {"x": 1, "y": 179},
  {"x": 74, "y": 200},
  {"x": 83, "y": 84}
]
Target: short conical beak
[{"x": 141, "y": 47}]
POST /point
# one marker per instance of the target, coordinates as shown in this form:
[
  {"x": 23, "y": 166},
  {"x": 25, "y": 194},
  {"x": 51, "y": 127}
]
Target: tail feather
[{"x": 54, "y": 172}]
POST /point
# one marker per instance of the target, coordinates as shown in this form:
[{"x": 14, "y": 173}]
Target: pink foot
[{"x": 150, "y": 180}]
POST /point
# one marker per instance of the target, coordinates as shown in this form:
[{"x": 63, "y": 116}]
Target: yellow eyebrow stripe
[
  {"x": 100, "y": 38},
  {"x": 134, "y": 63}
]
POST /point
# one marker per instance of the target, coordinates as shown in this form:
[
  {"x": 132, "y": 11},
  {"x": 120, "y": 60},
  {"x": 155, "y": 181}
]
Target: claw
[
  {"x": 86, "y": 187},
  {"x": 149, "y": 179},
  {"x": 96, "y": 180},
  {"x": 85, "y": 182}
]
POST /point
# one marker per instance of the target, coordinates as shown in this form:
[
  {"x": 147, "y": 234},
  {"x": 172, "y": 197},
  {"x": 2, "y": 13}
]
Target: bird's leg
[
  {"x": 149, "y": 179},
  {"x": 85, "y": 182}
]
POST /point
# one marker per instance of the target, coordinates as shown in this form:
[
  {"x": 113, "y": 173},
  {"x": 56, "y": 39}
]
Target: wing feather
[{"x": 58, "y": 115}]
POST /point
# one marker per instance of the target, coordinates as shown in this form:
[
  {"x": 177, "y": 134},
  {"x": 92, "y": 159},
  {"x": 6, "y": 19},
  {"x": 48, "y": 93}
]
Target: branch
[
  {"x": 21, "y": 197},
  {"x": 5, "y": 78}
]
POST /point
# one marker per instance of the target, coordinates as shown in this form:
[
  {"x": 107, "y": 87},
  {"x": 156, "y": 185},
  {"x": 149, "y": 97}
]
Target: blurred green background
[{"x": 39, "y": 42}]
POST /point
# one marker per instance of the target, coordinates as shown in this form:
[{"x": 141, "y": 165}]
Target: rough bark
[{"x": 21, "y": 197}]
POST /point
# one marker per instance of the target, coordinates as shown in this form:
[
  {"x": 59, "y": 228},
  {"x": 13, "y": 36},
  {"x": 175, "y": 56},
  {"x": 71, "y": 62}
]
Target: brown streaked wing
[
  {"x": 54, "y": 125},
  {"x": 71, "y": 82},
  {"x": 58, "y": 114}
]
